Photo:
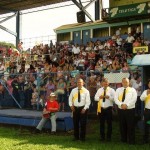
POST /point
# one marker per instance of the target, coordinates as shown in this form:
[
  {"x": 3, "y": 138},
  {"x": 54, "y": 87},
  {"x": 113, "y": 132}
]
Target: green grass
[{"x": 13, "y": 138}]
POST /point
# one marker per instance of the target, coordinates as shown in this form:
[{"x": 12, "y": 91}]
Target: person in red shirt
[
  {"x": 49, "y": 112},
  {"x": 9, "y": 51}
]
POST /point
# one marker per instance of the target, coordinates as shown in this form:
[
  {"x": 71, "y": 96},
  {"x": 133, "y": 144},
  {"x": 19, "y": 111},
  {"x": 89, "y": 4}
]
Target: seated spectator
[
  {"x": 119, "y": 41},
  {"x": 20, "y": 46},
  {"x": 110, "y": 68},
  {"x": 88, "y": 47},
  {"x": 81, "y": 62},
  {"x": 129, "y": 59},
  {"x": 62, "y": 62},
  {"x": 8, "y": 84},
  {"x": 76, "y": 50},
  {"x": 75, "y": 72},
  {"x": 34, "y": 99},
  {"x": 91, "y": 55},
  {"x": 98, "y": 68},
  {"x": 47, "y": 67},
  {"x": 125, "y": 67},
  {"x": 116, "y": 66},
  {"x": 49, "y": 87},
  {"x": 108, "y": 60},
  {"x": 49, "y": 112},
  {"x": 60, "y": 92},
  {"x": 71, "y": 84},
  {"x": 114, "y": 37},
  {"x": 59, "y": 72},
  {"x": 1, "y": 69},
  {"x": 98, "y": 82},
  {"x": 104, "y": 66},
  {"x": 136, "y": 43},
  {"x": 53, "y": 69},
  {"x": 70, "y": 67},
  {"x": 10, "y": 51}
]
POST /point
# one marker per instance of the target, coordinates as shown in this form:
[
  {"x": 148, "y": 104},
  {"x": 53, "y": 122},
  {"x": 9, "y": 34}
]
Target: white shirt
[
  {"x": 137, "y": 87},
  {"x": 118, "y": 32},
  {"x": 81, "y": 62},
  {"x": 143, "y": 98},
  {"x": 76, "y": 50},
  {"x": 130, "y": 39},
  {"x": 1, "y": 69},
  {"x": 84, "y": 96},
  {"x": 130, "y": 97},
  {"x": 109, "y": 92},
  {"x": 119, "y": 41}
]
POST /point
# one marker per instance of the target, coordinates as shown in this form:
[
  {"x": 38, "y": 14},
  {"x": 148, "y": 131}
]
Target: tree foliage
[{"x": 7, "y": 45}]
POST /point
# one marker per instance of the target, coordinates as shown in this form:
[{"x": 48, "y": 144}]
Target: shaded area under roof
[
  {"x": 7, "y": 6},
  {"x": 141, "y": 60}
]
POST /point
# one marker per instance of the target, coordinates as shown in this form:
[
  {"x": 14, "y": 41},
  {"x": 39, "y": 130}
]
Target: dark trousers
[
  {"x": 79, "y": 121},
  {"x": 127, "y": 125},
  {"x": 138, "y": 106},
  {"x": 146, "y": 126},
  {"x": 106, "y": 115}
]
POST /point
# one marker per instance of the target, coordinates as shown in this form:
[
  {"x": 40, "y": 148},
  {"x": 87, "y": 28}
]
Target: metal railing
[{"x": 17, "y": 90}]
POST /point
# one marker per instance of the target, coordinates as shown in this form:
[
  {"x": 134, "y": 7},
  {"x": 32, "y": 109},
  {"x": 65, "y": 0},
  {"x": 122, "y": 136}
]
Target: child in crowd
[
  {"x": 34, "y": 99},
  {"x": 49, "y": 112}
]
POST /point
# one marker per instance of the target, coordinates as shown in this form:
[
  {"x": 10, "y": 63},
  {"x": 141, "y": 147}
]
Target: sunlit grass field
[{"x": 21, "y": 138}]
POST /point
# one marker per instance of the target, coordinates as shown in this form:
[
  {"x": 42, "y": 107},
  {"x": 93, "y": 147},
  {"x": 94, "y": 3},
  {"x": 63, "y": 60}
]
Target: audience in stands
[{"x": 57, "y": 67}]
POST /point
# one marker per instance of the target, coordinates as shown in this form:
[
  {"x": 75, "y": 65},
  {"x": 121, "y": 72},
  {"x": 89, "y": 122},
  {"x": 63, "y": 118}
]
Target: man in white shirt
[
  {"x": 146, "y": 98},
  {"x": 130, "y": 38},
  {"x": 129, "y": 43},
  {"x": 125, "y": 98},
  {"x": 79, "y": 102},
  {"x": 105, "y": 97},
  {"x": 118, "y": 32},
  {"x": 138, "y": 87},
  {"x": 76, "y": 50}
]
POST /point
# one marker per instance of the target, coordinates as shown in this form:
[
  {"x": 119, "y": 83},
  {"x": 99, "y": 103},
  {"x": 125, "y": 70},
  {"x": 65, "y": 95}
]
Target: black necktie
[
  {"x": 123, "y": 96},
  {"x": 79, "y": 95},
  {"x": 104, "y": 95}
]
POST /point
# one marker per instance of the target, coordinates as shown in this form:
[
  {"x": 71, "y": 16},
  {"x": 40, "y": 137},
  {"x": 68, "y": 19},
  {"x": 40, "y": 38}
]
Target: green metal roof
[{"x": 93, "y": 25}]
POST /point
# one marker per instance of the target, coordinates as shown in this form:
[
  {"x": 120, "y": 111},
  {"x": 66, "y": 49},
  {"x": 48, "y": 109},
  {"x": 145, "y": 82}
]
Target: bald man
[
  {"x": 79, "y": 102},
  {"x": 125, "y": 98},
  {"x": 105, "y": 97}
]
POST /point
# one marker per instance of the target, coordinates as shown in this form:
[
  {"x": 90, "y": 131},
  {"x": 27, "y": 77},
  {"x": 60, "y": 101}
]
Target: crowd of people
[
  {"x": 31, "y": 77},
  {"x": 47, "y": 68}
]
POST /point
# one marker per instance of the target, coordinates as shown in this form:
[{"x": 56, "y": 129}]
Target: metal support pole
[
  {"x": 10, "y": 94},
  {"x": 18, "y": 27}
]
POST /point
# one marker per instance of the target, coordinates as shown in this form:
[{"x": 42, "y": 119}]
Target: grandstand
[{"x": 83, "y": 50}]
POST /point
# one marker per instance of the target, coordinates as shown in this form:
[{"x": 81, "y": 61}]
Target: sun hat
[{"x": 52, "y": 94}]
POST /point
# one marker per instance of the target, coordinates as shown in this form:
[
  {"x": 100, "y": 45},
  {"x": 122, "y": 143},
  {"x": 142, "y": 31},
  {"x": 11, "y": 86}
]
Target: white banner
[{"x": 116, "y": 77}]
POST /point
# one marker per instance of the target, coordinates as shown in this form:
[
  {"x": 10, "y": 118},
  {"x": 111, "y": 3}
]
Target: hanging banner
[
  {"x": 140, "y": 49},
  {"x": 128, "y": 10}
]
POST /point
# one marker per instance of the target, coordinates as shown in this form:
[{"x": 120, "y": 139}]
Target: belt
[
  {"x": 78, "y": 107},
  {"x": 105, "y": 108},
  {"x": 147, "y": 109}
]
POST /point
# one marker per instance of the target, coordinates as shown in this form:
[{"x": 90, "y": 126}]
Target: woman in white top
[{"x": 146, "y": 98}]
